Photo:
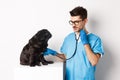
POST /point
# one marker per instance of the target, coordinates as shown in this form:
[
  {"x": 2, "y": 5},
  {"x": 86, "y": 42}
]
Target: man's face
[{"x": 77, "y": 23}]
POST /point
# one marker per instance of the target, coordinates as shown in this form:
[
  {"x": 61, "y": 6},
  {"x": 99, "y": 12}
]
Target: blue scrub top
[{"x": 79, "y": 67}]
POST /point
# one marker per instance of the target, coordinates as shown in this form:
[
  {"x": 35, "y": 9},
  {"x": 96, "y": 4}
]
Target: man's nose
[{"x": 74, "y": 26}]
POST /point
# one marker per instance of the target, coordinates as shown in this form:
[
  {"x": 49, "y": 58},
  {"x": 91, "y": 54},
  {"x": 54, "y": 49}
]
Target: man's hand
[
  {"x": 61, "y": 56},
  {"x": 83, "y": 36}
]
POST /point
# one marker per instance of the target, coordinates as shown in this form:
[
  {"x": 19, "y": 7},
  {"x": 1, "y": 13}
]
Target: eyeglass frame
[{"x": 75, "y": 22}]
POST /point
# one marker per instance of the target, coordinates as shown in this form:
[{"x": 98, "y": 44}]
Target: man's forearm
[{"x": 93, "y": 58}]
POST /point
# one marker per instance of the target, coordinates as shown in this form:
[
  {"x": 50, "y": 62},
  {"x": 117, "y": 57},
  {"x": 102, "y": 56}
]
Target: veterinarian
[{"x": 82, "y": 48}]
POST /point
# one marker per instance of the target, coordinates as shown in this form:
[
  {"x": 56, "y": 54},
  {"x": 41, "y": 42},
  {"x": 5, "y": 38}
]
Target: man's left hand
[{"x": 83, "y": 36}]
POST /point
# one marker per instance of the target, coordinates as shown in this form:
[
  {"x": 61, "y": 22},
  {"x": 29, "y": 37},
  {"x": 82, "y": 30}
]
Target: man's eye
[{"x": 76, "y": 22}]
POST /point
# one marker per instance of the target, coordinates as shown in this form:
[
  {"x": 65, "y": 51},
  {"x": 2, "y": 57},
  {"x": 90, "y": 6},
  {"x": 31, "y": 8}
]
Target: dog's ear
[{"x": 32, "y": 41}]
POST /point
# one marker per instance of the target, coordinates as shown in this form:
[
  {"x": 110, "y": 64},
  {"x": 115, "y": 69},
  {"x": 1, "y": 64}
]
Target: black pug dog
[{"x": 32, "y": 53}]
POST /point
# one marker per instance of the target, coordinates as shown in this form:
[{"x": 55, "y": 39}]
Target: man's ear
[{"x": 85, "y": 20}]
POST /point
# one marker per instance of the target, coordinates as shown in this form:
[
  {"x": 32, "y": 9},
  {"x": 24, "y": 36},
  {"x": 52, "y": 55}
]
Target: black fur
[{"x": 32, "y": 53}]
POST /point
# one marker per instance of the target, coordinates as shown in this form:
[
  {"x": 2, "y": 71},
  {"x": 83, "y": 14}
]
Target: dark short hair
[{"x": 79, "y": 11}]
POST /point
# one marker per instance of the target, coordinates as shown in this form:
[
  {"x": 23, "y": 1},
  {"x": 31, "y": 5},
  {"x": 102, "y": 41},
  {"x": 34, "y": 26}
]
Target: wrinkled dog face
[
  {"x": 43, "y": 35},
  {"x": 40, "y": 38}
]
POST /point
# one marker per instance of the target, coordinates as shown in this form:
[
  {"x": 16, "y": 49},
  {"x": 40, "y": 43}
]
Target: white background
[{"x": 21, "y": 19}]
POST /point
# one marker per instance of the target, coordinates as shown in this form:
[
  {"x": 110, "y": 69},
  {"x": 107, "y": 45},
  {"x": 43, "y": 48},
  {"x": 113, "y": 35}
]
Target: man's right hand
[{"x": 61, "y": 56}]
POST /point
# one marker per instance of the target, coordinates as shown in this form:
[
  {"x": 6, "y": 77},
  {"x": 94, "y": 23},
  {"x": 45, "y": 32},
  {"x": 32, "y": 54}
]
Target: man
[
  {"x": 81, "y": 48},
  {"x": 82, "y": 56}
]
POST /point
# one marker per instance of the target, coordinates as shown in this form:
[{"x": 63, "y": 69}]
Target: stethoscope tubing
[{"x": 75, "y": 47}]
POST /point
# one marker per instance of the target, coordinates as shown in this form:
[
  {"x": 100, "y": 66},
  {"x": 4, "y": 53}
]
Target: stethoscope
[{"x": 76, "y": 39}]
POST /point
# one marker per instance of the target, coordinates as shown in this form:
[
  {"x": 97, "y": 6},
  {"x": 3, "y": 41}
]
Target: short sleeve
[
  {"x": 98, "y": 47},
  {"x": 63, "y": 47}
]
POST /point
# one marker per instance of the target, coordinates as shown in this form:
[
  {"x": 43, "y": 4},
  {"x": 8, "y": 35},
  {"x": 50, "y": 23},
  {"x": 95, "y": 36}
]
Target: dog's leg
[
  {"x": 43, "y": 60},
  {"x": 49, "y": 62},
  {"x": 38, "y": 60},
  {"x": 32, "y": 61}
]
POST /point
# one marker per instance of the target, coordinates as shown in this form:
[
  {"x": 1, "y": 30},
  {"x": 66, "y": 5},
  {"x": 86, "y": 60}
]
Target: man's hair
[{"x": 79, "y": 11}]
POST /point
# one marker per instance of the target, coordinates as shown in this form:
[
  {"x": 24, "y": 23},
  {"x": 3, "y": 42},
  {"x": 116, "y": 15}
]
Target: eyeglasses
[{"x": 75, "y": 22}]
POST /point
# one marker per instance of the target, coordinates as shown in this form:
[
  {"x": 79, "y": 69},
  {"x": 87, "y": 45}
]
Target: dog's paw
[
  {"x": 44, "y": 63},
  {"x": 50, "y": 62},
  {"x": 32, "y": 65}
]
